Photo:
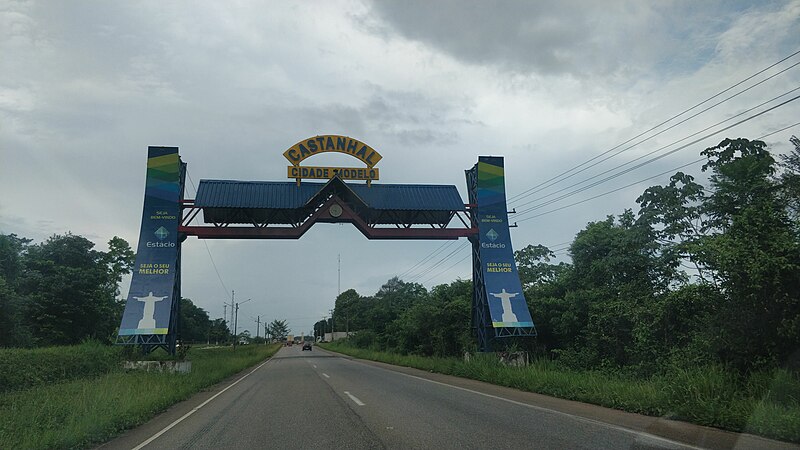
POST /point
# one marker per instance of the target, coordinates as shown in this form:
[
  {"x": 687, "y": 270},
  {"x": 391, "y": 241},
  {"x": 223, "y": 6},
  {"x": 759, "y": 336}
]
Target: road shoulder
[
  {"x": 135, "y": 436},
  {"x": 683, "y": 432}
]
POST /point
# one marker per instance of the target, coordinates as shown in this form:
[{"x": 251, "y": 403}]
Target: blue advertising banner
[
  {"x": 507, "y": 305},
  {"x": 149, "y": 303}
]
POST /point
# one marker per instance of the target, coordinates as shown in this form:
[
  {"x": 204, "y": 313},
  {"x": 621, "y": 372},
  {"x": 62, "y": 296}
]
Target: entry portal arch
[{"x": 232, "y": 209}]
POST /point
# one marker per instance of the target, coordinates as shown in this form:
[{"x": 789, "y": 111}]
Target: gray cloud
[{"x": 585, "y": 39}]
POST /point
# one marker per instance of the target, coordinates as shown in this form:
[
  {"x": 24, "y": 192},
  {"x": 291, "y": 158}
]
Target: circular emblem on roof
[{"x": 335, "y": 210}]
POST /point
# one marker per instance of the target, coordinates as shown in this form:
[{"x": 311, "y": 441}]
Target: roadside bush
[
  {"x": 705, "y": 395},
  {"x": 22, "y": 368},
  {"x": 363, "y": 339}
]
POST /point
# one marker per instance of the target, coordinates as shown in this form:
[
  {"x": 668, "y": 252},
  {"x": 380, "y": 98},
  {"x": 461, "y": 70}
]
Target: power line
[
  {"x": 559, "y": 244},
  {"x": 208, "y": 250},
  {"x": 225, "y": 288},
  {"x": 426, "y": 259},
  {"x": 777, "y": 131},
  {"x": 540, "y": 186},
  {"x": 191, "y": 181},
  {"x": 611, "y": 191},
  {"x": 655, "y": 158},
  {"x": 439, "y": 263},
  {"x": 447, "y": 269},
  {"x": 648, "y": 154},
  {"x": 663, "y": 131},
  {"x": 511, "y": 199},
  {"x": 646, "y": 179},
  {"x": 554, "y": 250}
]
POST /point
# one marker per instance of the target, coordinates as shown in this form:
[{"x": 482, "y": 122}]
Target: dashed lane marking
[{"x": 354, "y": 399}]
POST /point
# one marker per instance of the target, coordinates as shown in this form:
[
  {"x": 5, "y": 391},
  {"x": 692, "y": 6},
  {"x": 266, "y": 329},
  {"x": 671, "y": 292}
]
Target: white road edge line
[
  {"x": 315, "y": 366},
  {"x": 195, "y": 409},
  {"x": 540, "y": 408},
  {"x": 354, "y": 399},
  {"x": 325, "y": 375}
]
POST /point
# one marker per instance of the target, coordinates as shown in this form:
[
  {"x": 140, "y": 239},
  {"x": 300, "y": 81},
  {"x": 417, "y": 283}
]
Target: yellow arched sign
[{"x": 332, "y": 144}]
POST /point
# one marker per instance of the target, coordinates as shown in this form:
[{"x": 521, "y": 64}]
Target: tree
[
  {"x": 347, "y": 309},
  {"x": 243, "y": 337},
  {"x": 119, "y": 259},
  {"x": 450, "y": 331},
  {"x": 618, "y": 274},
  {"x": 533, "y": 265},
  {"x": 218, "y": 331},
  {"x": 70, "y": 291},
  {"x": 12, "y": 251},
  {"x": 195, "y": 323},
  {"x": 674, "y": 213},
  {"x": 320, "y": 328},
  {"x": 790, "y": 180},
  {"x": 278, "y": 329},
  {"x": 752, "y": 245},
  {"x": 391, "y": 299}
]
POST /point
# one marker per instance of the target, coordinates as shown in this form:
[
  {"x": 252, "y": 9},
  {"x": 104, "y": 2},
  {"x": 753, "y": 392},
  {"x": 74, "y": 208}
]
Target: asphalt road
[{"x": 317, "y": 399}]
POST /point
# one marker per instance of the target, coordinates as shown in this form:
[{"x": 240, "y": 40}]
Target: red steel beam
[
  {"x": 297, "y": 233},
  {"x": 322, "y": 215}
]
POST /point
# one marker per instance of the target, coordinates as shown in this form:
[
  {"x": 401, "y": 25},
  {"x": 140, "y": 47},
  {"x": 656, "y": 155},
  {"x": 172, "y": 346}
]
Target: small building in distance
[{"x": 336, "y": 335}]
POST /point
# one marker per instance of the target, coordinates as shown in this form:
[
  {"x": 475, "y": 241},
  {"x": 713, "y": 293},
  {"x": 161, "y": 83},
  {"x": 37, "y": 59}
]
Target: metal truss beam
[
  {"x": 481, "y": 320},
  {"x": 322, "y": 215},
  {"x": 147, "y": 342}
]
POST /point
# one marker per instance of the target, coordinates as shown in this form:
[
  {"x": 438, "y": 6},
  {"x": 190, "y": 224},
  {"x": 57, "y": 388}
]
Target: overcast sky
[{"x": 86, "y": 87}]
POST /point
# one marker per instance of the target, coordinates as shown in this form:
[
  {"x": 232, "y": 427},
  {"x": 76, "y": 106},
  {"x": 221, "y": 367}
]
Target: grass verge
[
  {"x": 766, "y": 403},
  {"x": 22, "y": 368},
  {"x": 83, "y": 412}
]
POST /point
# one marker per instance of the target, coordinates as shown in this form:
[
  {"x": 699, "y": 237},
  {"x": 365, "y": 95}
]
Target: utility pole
[
  {"x": 258, "y": 326},
  {"x": 233, "y": 297},
  {"x": 228, "y": 323},
  {"x": 236, "y": 315},
  {"x": 338, "y": 293},
  {"x": 235, "y": 321}
]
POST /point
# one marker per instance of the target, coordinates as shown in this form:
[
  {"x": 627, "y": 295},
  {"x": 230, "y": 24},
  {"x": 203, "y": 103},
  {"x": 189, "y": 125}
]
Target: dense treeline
[
  {"x": 60, "y": 291},
  {"x": 63, "y": 291},
  {"x": 406, "y": 317},
  {"x": 699, "y": 275}
]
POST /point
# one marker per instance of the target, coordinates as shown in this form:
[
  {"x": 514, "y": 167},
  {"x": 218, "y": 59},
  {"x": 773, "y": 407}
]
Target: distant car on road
[{"x": 307, "y": 346}]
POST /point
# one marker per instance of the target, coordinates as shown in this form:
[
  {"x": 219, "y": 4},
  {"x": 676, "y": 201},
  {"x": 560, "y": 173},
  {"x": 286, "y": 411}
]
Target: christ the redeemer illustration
[
  {"x": 505, "y": 297},
  {"x": 148, "y": 316}
]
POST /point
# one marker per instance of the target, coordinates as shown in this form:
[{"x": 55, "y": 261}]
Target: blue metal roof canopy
[{"x": 275, "y": 202}]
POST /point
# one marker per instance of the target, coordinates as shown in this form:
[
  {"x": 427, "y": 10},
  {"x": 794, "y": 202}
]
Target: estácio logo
[
  {"x": 160, "y": 244},
  {"x": 161, "y": 233}
]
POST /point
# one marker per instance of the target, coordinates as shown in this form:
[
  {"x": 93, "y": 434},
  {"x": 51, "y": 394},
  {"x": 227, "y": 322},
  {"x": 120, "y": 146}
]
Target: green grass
[
  {"x": 22, "y": 368},
  {"x": 82, "y": 412},
  {"x": 765, "y": 403}
]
